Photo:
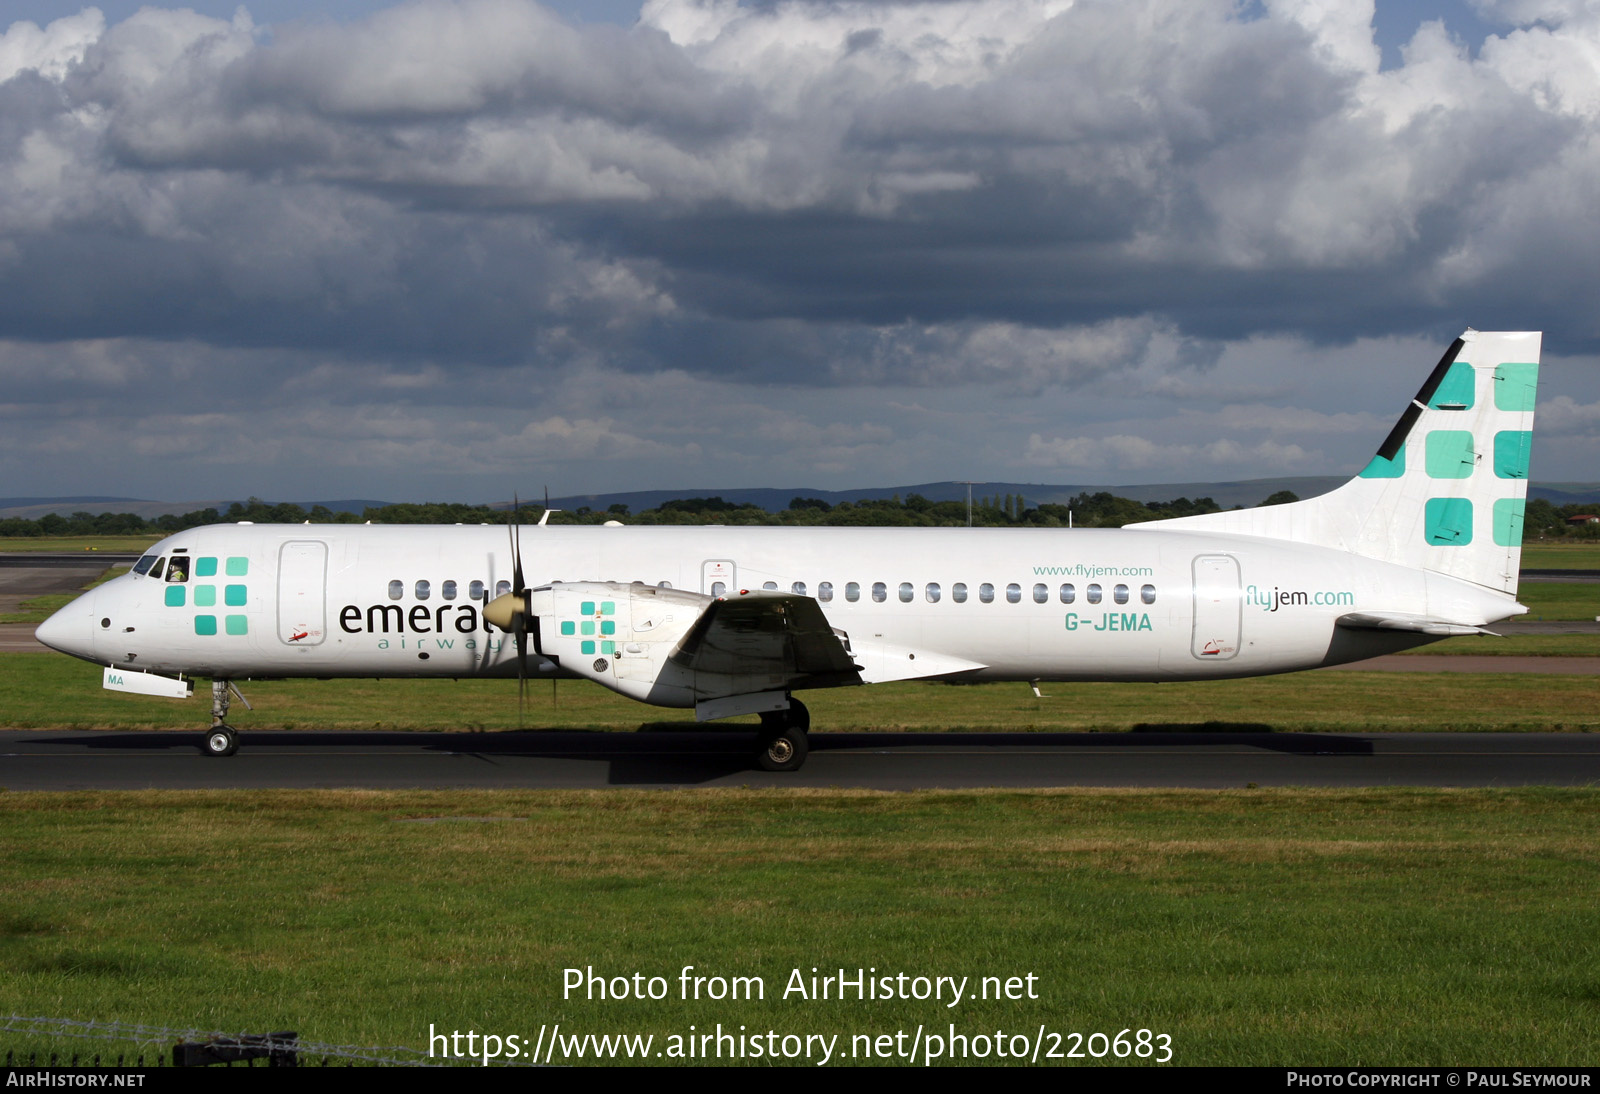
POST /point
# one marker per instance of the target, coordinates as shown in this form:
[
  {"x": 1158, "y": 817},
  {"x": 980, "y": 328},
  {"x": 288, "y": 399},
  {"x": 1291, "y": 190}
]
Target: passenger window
[
  {"x": 1094, "y": 594},
  {"x": 1014, "y": 593},
  {"x": 958, "y": 592},
  {"x": 718, "y": 588},
  {"x": 825, "y": 591},
  {"x": 852, "y": 591},
  {"x": 448, "y": 590},
  {"x": 144, "y": 564},
  {"x": 1120, "y": 594},
  {"x": 986, "y": 593},
  {"x": 1041, "y": 594},
  {"x": 1148, "y": 594},
  {"x": 501, "y": 588},
  {"x": 423, "y": 590},
  {"x": 475, "y": 590},
  {"x": 1068, "y": 594},
  {"x": 798, "y": 588},
  {"x": 906, "y": 592},
  {"x": 932, "y": 592},
  {"x": 397, "y": 589},
  {"x": 880, "y": 592}
]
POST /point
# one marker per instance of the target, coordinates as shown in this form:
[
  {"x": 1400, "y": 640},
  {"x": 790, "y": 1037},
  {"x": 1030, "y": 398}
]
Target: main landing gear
[
  {"x": 222, "y": 739},
  {"x": 782, "y": 744}
]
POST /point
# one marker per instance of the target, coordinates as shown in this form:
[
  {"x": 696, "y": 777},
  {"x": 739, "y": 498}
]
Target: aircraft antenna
[{"x": 969, "y": 484}]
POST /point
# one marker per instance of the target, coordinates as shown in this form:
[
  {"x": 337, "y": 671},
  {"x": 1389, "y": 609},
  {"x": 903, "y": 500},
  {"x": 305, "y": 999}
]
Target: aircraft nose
[{"x": 71, "y": 630}]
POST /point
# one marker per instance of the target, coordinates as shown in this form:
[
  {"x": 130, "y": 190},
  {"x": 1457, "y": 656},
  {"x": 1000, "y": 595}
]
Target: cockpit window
[
  {"x": 144, "y": 564},
  {"x": 155, "y": 570},
  {"x": 179, "y": 569}
]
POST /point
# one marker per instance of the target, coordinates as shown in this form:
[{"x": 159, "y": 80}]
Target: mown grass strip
[
  {"x": 1257, "y": 927},
  {"x": 51, "y": 690}
]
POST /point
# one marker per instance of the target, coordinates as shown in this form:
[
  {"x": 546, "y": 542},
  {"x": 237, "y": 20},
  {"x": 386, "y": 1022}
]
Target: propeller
[{"x": 509, "y": 611}]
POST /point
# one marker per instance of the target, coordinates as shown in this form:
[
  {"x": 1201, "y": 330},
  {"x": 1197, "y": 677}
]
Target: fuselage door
[
  {"x": 717, "y": 576},
  {"x": 1217, "y": 608},
  {"x": 302, "y": 596}
]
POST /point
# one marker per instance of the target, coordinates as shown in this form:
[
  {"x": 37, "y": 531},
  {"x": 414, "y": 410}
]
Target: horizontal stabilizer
[{"x": 1404, "y": 621}]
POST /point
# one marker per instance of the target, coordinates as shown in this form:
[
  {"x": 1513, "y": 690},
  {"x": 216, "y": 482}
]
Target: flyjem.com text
[{"x": 854, "y": 985}]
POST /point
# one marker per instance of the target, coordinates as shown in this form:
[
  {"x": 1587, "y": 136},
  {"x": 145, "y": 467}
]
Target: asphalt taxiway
[{"x": 1167, "y": 756}]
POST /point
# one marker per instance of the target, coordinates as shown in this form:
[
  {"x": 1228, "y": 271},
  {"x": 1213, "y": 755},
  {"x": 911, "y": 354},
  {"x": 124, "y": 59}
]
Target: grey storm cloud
[
  {"x": 1020, "y": 194},
  {"x": 441, "y": 178}
]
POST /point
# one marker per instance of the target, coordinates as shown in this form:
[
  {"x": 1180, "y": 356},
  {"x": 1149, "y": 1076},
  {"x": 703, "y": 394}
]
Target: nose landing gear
[
  {"x": 222, "y": 739},
  {"x": 782, "y": 743}
]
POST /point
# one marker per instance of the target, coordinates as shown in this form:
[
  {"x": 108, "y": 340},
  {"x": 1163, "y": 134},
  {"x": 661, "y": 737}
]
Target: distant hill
[
  {"x": 34, "y": 508},
  {"x": 1226, "y": 494},
  {"x": 1245, "y": 492}
]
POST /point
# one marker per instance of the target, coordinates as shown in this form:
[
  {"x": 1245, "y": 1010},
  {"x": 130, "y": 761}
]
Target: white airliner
[{"x": 1425, "y": 542}]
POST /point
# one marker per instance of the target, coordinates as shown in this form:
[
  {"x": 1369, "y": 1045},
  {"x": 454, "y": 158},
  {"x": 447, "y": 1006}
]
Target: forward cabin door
[
  {"x": 302, "y": 593},
  {"x": 1217, "y": 608}
]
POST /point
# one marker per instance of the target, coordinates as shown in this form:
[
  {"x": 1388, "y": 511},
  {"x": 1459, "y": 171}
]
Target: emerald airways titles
[{"x": 854, "y": 985}]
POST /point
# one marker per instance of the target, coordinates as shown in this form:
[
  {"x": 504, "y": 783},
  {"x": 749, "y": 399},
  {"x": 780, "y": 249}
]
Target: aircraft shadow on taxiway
[{"x": 660, "y": 755}]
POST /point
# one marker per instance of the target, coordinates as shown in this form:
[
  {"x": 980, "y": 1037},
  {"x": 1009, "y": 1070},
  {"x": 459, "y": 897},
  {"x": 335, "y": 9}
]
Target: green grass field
[
  {"x": 126, "y": 545},
  {"x": 50, "y": 690},
  {"x": 1254, "y": 927},
  {"x": 1576, "y": 555}
]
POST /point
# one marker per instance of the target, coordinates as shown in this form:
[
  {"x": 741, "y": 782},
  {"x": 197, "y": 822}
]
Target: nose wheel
[
  {"x": 782, "y": 744},
  {"x": 221, "y": 740}
]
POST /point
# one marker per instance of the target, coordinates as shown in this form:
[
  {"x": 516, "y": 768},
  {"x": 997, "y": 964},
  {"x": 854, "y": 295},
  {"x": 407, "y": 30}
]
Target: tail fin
[{"x": 1448, "y": 486}]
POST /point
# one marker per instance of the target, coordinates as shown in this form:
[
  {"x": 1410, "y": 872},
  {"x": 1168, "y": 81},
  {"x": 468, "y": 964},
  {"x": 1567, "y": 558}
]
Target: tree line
[{"x": 1100, "y": 509}]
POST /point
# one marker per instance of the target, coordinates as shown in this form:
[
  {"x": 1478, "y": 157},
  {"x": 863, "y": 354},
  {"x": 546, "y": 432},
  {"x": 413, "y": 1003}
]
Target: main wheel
[
  {"x": 783, "y": 750},
  {"x": 221, "y": 740}
]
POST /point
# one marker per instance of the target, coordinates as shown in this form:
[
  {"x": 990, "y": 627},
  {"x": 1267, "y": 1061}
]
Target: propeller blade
[{"x": 513, "y": 607}]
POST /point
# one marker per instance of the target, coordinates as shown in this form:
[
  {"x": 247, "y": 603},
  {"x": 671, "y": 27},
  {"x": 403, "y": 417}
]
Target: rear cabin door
[{"x": 1217, "y": 608}]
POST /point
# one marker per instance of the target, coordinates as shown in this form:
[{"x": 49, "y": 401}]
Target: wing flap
[{"x": 763, "y": 633}]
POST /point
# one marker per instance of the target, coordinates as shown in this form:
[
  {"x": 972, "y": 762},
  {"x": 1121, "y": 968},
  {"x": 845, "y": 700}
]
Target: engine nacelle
[{"x": 631, "y": 639}]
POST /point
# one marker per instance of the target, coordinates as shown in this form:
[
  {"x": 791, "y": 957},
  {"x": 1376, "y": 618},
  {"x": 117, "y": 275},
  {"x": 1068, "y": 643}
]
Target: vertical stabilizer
[{"x": 1447, "y": 488}]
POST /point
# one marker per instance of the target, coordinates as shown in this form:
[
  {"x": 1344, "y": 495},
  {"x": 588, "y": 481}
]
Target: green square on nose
[
  {"x": 205, "y": 567},
  {"x": 586, "y": 608},
  {"x": 238, "y": 567},
  {"x": 205, "y": 624}
]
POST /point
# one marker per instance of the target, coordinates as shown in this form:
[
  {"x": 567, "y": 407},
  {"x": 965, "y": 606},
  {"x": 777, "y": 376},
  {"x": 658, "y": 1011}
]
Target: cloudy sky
[{"x": 456, "y": 248}]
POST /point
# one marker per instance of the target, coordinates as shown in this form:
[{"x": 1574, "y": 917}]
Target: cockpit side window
[
  {"x": 144, "y": 564},
  {"x": 178, "y": 569},
  {"x": 155, "y": 570}
]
